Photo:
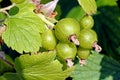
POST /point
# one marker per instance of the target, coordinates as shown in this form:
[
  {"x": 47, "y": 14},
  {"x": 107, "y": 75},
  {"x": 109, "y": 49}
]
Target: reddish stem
[
  {"x": 74, "y": 39},
  {"x": 82, "y": 62},
  {"x": 97, "y": 47},
  {"x": 69, "y": 62},
  {"x": 5, "y": 60}
]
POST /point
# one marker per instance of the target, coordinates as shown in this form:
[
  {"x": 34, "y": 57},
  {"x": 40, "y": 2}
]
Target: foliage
[
  {"x": 41, "y": 66},
  {"x": 99, "y": 67},
  {"x": 23, "y": 35}
]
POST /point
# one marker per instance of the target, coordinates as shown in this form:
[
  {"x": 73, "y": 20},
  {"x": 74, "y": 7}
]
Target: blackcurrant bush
[
  {"x": 48, "y": 40},
  {"x": 67, "y": 30}
]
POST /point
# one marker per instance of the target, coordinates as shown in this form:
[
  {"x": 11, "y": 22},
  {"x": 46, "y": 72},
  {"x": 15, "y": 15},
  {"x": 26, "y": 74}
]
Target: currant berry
[
  {"x": 87, "y": 22},
  {"x": 17, "y": 1},
  {"x": 48, "y": 40},
  {"x": 67, "y": 30},
  {"x": 83, "y": 53},
  {"x": 87, "y": 37},
  {"x": 66, "y": 52}
]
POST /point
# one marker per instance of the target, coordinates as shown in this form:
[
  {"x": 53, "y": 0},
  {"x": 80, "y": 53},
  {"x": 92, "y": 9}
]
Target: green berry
[
  {"x": 87, "y": 22},
  {"x": 87, "y": 37},
  {"x": 48, "y": 40},
  {"x": 83, "y": 53},
  {"x": 66, "y": 50},
  {"x": 65, "y": 28}
]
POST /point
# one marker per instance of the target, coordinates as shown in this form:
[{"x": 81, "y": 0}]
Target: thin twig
[
  {"x": 7, "y": 8},
  {"x": 2, "y": 57},
  {"x": 45, "y": 20}
]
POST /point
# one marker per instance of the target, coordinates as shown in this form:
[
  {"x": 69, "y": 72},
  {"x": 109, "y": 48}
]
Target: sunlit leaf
[
  {"x": 89, "y": 6},
  {"x": 23, "y": 30},
  {"x": 41, "y": 66}
]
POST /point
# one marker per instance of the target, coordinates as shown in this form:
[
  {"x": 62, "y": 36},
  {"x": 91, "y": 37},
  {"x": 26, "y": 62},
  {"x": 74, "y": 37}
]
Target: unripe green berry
[
  {"x": 87, "y": 22},
  {"x": 65, "y": 28},
  {"x": 83, "y": 53},
  {"x": 48, "y": 40},
  {"x": 66, "y": 50},
  {"x": 87, "y": 37}
]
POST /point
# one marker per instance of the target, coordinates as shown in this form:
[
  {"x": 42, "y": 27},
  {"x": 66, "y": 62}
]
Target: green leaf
[
  {"x": 14, "y": 10},
  {"x": 4, "y": 67},
  {"x": 76, "y": 12},
  {"x": 101, "y": 3},
  {"x": 2, "y": 17},
  {"x": 107, "y": 26},
  {"x": 23, "y": 30},
  {"x": 41, "y": 66},
  {"x": 89, "y": 6},
  {"x": 10, "y": 76},
  {"x": 98, "y": 67}
]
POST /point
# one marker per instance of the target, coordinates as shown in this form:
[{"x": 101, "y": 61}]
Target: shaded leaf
[
  {"x": 41, "y": 66},
  {"x": 4, "y": 67},
  {"x": 108, "y": 29},
  {"x": 23, "y": 30},
  {"x": 101, "y": 3},
  {"x": 98, "y": 67},
  {"x": 10, "y": 76}
]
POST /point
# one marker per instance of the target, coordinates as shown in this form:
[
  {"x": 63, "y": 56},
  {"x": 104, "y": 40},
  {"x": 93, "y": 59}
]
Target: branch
[
  {"x": 45, "y": 20},
  {"x": 7, "y": 8}
]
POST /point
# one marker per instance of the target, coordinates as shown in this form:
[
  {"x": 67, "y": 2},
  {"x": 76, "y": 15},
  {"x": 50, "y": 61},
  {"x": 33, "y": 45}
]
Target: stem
[
  {"x": 69, "y": 62},
  {"x": 97, "y": 47},
  {"x": 45, "y": 20},
  {"x": 4, "y": 10},
  {"x": 7, "y": 8},
  {"x": 82, "y": 62},
  {"x": 8, "y": 62},
  {"x": 5, "y": 60},
  {"x": 74, "y": 39}
]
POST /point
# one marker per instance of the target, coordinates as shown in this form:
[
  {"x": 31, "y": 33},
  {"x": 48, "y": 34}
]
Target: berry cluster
[
  {"x": 71, "y": 39},
  {"x": 68, "y": 37}
]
